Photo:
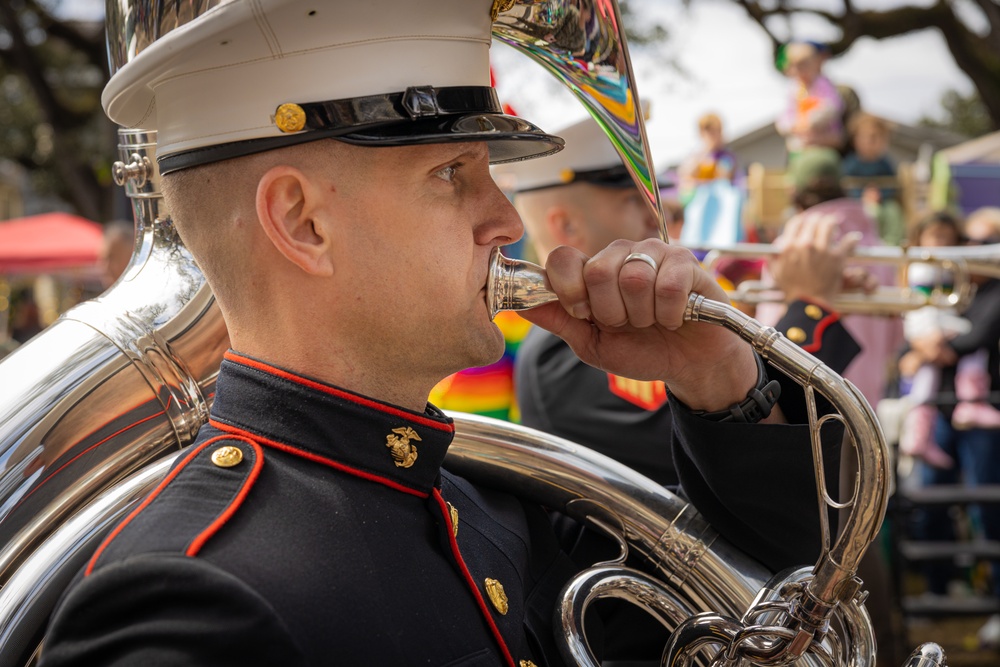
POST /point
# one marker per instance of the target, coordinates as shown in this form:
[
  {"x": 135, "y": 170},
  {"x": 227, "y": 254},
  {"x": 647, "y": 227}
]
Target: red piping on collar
[
  {"x": 339, "y": 393},
  {"x": 145, "y": 503},
  {"x": 316, "y": 458},
  {"x": 821, "y": 326},
  {"x": 207, "y": 534},
  {"x": 470, "y": 582}
]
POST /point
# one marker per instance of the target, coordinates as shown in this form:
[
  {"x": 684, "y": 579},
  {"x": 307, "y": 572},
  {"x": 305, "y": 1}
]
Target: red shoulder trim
[
  {"x": 220, "y": 521},
  {"x": 469, "y": 581},
  {"x": 821, "y": 326},
  {"x": 145, "y": 503},
  {"x": 316, "y": 458}
]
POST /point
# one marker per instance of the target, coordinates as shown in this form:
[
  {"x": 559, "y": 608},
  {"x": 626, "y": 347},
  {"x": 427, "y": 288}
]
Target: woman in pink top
[{"x": 813, "y": 116}]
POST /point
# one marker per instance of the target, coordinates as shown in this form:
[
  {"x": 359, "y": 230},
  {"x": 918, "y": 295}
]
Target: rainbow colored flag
[{"x": 487, "y": 390}]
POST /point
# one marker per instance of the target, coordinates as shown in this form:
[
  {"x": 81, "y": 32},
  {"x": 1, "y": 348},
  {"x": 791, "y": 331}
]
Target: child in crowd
[
  {"x": 713, "y": 205},
  {"x": 971, "y": 378},
  {"x": 868, "y": 160},
  {"x": 713, "y": 162},
  {"x": 813, "y": 116}
]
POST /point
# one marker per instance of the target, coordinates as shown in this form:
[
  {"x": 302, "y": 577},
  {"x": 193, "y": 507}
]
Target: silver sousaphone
[{"x": 94, "y": 410}]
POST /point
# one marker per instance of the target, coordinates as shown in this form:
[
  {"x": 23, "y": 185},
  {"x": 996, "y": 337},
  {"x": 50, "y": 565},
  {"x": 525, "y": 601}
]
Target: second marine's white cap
[{"x": 589, "y": 156}]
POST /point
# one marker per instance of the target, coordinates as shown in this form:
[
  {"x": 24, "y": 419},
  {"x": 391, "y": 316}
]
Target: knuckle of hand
[
  {"x": 597, "y": 272},
  {"x": 632, "y": 284},
  {"x": 669, "y": 292}
]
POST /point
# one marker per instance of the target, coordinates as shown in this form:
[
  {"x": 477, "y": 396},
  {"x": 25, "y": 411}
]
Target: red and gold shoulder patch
[{"x": 648, "y": 395}]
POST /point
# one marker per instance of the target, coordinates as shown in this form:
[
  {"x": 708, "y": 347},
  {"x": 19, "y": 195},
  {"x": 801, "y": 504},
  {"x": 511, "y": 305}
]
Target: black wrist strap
[{"x": 756, "y": 406}]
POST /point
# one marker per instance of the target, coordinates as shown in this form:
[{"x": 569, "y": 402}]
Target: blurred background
[{"x": 928, "y": 71}]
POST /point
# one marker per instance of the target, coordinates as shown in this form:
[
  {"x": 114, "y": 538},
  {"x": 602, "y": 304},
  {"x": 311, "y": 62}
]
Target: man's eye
[{"x": 447, "y": 174}]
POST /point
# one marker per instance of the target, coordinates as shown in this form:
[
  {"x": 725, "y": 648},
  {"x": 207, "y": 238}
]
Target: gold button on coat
[
  {"x": 454, "y": 519},
  {"x": 227, "y": 457},
  {"x": 494, "y": 589},
  {"x": 814, "y": 311},
  {"x": 526, "y": 663},
  {"x": 796, "y": 335}
]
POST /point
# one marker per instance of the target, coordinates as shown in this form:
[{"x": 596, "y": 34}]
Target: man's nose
[{"x": 503, "y": 225}]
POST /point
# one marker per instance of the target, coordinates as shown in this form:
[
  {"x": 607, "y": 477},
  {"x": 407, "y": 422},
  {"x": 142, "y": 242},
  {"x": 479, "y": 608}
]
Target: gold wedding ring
[{"x": 641, "y": 257}]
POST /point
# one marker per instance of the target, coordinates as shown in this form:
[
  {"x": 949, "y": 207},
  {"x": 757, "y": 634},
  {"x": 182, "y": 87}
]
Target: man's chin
[{"x": 487, "y": 349}]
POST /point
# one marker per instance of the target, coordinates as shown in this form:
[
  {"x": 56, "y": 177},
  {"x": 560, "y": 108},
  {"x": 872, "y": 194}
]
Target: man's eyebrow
[{"x": 472, "y": 151}]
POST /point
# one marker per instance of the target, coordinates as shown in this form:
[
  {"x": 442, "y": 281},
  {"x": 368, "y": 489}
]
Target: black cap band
[{"x": 413, "y": 103}]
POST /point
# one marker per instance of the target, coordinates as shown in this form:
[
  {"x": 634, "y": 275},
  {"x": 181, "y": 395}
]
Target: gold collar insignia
[{"x": 403, "y": 453}]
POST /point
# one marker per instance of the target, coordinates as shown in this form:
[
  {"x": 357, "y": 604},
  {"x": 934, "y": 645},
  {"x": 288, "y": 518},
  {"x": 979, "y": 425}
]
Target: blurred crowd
[{"x": 943, "y": 360}]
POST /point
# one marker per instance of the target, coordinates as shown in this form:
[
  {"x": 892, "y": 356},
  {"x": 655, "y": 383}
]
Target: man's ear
[
  {"x": 290, "y": 209},
  {"x": 563, "y": 226}
]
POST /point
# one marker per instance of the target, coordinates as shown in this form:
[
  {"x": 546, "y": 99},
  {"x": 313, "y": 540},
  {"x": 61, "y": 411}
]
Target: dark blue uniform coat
[{"x": 329, "y": 536}]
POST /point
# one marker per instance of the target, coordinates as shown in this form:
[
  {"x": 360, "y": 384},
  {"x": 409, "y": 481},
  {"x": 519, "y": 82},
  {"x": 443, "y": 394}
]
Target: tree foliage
[
  {"x": 636, "y": 30},
  {"x": 52, "y": 72},
  {"x": 964, "y": 114},
  {"x": 971, "y": 30}
]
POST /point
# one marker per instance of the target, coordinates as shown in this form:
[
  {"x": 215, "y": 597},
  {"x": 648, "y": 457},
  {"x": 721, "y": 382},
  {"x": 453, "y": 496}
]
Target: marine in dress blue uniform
[
  {"x": 312, "y": 523},
  {"x": 627, "y": 419},
  {"x": 580, "y": 197}
]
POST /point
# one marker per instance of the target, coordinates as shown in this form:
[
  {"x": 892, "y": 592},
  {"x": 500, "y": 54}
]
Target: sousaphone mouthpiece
[{"x": 514, "y": 284}]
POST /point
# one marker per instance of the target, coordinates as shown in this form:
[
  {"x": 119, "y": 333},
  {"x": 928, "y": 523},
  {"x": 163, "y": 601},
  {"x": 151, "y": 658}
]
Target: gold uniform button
[
  {"x": 454, "y": 519},
  {"x": 494, "y": 589},
  {"x": 526, "y": 663},
  {"x": 290, "y": 117},
  {"x": 796, "y": 335},
  {"x": 227, "y": 457},
  {"x": 814, "y": 311}
]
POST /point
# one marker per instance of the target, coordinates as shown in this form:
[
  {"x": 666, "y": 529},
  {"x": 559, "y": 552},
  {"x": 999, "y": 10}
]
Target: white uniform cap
[
  {"x": 589, "y": 156},
  {"x": 380, "y": 72}
]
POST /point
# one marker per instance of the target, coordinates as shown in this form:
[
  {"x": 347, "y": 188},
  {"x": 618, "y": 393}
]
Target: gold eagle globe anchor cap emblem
[{"x": 398, "y": 442}]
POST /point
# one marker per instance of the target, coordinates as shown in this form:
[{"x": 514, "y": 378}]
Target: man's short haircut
[{"x": 204, "y": 217}]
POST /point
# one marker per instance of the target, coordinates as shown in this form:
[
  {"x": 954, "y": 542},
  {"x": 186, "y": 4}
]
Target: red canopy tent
[{"x": 48, "y": 242}]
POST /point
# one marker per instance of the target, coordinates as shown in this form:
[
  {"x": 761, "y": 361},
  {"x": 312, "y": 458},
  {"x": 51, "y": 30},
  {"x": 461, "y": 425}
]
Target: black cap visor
[
  {"x": 609, "y": 177},
  {"x": 416, "y": 116}
]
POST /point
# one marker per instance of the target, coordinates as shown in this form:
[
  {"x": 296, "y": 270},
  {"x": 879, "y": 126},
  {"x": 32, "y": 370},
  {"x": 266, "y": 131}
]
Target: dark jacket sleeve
[
  {"x": 166, "y": 610},
  {"x": 755, "y": 483}
]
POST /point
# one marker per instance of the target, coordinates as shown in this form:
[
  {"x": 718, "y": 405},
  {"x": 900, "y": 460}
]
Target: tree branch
[
  {"x": 977, "y": 56},
  {"x": 856, "y": 24},
  {"x": 92, "y": 44},
  {"x": 756, "y": 12},
  {"x": 992, "y": 11},
  {"x": 21, "y": 57}
]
